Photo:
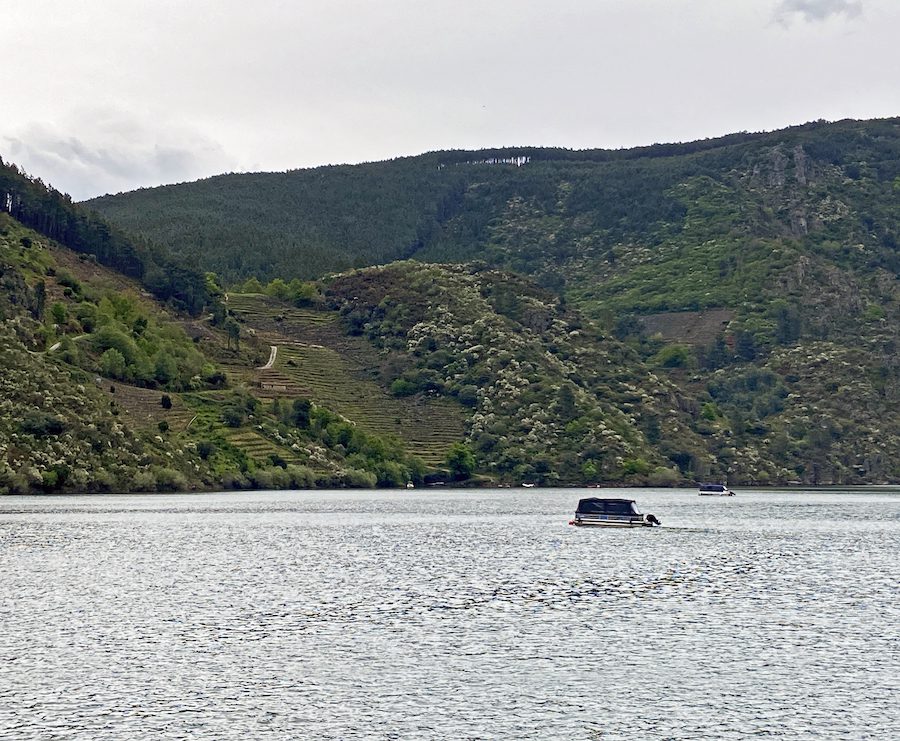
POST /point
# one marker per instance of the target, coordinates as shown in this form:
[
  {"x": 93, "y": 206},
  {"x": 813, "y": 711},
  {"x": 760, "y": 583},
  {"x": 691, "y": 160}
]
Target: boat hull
[{"x": 582, "y": 522}]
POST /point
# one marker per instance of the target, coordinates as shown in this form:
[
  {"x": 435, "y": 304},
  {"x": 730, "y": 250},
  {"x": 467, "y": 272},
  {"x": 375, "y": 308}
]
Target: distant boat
[
  {"x": 528, "y": 485},
  {"x": 715, "y": 490},
  {"x": 597, "y": 512},
  {"x": 410, "y": 485}
]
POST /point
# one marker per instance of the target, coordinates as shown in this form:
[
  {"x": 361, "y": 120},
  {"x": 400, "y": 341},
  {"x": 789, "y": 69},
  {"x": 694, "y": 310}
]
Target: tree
[
  {"x": 788, "y": 324},
  {"x": 300, "y": 413},
  {"x": 39, "y": 300},
  {"x": 461, "y": 461},
  {"x": 112, "y": 363},
  {"x": 252, "y": 285},
  {"x": 59, "y": 313},
  {"x": 566, "y": 403},
  {"x": 745, "y": 346},
  {"x": 233, "y": 416},
  {"x": 166, "y": 401},
  {"x": 233, "y": 329},
  {"x": 165, "y": 369}
]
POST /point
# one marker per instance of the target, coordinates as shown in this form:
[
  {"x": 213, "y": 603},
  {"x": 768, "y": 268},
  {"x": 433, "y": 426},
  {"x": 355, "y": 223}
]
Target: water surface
[{"x": 449, "y": 614}]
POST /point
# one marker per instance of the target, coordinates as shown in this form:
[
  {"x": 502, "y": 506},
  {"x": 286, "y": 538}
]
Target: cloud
[
  {"x": 816, "y": 10},
  {"x": 107, "y": 151}
]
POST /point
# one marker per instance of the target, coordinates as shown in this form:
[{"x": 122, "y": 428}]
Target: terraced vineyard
[
  {"x": 429, "y": 426},
  {"x": 266, "y": 314},
  {"x": 260, "y": 448},
  {"x": 317, "y": 360},
  {"x": 143, "y": 407}
]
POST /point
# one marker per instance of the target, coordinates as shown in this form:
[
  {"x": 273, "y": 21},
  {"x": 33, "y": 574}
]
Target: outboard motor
[{"x": 652, "y": 519}]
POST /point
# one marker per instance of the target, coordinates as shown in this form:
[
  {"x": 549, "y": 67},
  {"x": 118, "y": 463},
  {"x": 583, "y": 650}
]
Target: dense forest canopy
[{"x": 537, "y": 210}]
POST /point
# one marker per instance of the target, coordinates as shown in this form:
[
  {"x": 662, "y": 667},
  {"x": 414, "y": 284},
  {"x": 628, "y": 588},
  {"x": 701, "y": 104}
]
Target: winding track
[{"x": 272, "y": 355}]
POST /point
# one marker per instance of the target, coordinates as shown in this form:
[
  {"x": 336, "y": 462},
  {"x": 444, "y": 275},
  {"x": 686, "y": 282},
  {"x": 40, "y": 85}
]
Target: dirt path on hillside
[
  {"x": 56, "y": 345},
  {"x": 272, "y": 355}
]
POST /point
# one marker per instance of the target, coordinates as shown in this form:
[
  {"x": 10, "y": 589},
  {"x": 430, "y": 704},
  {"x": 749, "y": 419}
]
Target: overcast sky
[{"x": 110, "y": 95}]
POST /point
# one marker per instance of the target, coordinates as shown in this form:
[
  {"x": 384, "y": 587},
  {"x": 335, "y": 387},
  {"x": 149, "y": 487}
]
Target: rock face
[{"x": 801, "y": 165}]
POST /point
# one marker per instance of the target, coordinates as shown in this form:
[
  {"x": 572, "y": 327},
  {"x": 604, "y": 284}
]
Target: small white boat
[
  {"x": 596, "y": 512},
  {"x": 715, "y": 490}
]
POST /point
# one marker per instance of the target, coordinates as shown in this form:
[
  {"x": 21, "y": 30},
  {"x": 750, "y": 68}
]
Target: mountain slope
[
  {"x": 757, "y": 273},
  {"x": 586, "y": 214},
  {"x": 104, "y": 389}
]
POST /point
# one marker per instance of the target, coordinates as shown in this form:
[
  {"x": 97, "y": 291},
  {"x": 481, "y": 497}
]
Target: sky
[{"x": 104, "y": 96}]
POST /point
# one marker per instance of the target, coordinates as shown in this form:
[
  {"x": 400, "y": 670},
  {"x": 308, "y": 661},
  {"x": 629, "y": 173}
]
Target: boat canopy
[
  {"x": 712, "y": 487},
  {"x": 596, "y": 506}
]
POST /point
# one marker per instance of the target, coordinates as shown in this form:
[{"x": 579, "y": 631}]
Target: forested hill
[
  {"x": 786, "y": 370},
  {"x": 553, "y": 213},
  {"x": 758, "y": 273},
  {"x": 54, "y": 215}
]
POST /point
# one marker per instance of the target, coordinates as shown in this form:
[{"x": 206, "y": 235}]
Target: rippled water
[{"x": 449, "y": 614}]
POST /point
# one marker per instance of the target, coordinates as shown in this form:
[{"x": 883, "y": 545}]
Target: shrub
[
  {"x": 461, "y": 461},
  {"x": 468, "y": 395},
  {"x": 214, "y": 377},
  {"x": 635, "y": 465},
  {"x": 168, "y": 479},
  {"x": 357, "y": 479},
  {"x": 59, "y": 313},
  {"x": 302, "y": 477},
  {"x": 270, "y": 478},
  {"x": 673, "y": 356},
  {"x": 232, "y": 416},
  {"x": 41, "y": 424},
  {"x": 143, "y": 481},
  {"x": 65, "y": 278},
  {"x": 402, "y": 387},
  {"x": 165, "y": 401},
  {"x": 663, "y": 477}
]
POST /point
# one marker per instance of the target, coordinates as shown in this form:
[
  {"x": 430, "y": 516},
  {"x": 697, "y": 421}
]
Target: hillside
[
  {"x": 472, "y": 369},
  {"x": 710, "y": 211},
  {"x": 721, "y": 308},
  {"x": 102, "y": 388},
  {"x": 758, "y": 273}
]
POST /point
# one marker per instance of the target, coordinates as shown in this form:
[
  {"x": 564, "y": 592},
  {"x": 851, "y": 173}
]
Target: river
[{"x": 449, "y": 614}]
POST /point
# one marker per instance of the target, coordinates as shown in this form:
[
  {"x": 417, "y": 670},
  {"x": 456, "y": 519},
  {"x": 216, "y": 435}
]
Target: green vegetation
[
  {"x": 646, "y": 316},
  {"x": 101, "y": 389},
  {"x": 53, "y": 215}
]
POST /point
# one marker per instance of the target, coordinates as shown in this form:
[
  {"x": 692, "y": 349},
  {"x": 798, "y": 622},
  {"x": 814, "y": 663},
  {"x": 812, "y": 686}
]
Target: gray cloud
[
  {"x": 114, "y": 153},
  {"x": 817, "y": 10}
]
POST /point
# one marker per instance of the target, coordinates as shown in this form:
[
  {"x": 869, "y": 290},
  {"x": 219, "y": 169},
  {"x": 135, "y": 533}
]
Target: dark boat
[
  {"x": 715, "y": 490},
  {"x": 598, "y": 512}
]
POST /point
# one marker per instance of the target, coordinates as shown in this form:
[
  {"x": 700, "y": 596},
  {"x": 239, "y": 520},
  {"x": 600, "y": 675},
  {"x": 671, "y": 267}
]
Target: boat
[
  {"x": 597, "y": 512},
  {"x": 715, "y": 490}
]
